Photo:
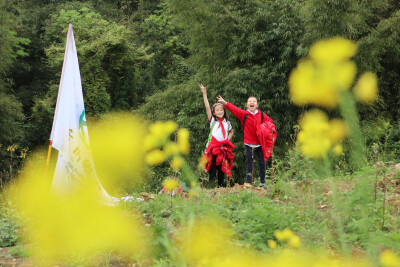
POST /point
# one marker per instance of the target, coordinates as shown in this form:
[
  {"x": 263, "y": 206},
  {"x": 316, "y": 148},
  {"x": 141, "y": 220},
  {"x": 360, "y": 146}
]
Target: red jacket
[
  {"x": 251, "y": 124},
  {"x": 223, "y": 152},
  {"x": 266, "y": 132}
]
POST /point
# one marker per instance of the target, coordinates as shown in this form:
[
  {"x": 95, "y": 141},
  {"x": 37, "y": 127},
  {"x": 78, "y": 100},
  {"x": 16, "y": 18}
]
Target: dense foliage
[{"x": 149, "y": 56}]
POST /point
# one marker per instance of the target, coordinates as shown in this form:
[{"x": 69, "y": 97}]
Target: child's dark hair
[
  {"x": 213, "y": 109},
  {"x": 252, "y": 97}
]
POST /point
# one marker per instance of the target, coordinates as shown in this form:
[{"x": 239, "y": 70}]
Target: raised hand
[
  {"x": 205, "y": 99},
  {"x": 221, "y": 100},
  {"x": 203, "y": 89}
]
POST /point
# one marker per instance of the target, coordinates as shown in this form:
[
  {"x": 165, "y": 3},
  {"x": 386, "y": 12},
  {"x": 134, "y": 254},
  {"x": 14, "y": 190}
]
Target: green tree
[
  {"x": 11, "y": 113},
  {"x": 379, "y": 51},
  {"x": 239, "y": 49},
  {"x": 108, "y": 59}
]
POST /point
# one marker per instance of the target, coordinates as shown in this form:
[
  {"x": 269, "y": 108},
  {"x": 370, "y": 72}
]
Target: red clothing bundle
[
  {"x": 266, "y": 133},
  {"x": 223, "y": 151},
  {"x": 256, "y": 133}
]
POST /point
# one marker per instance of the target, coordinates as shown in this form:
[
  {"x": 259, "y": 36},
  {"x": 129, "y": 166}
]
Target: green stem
[
  {"x": 335, "y": 211},
  {"x": 356, "y": 138}
]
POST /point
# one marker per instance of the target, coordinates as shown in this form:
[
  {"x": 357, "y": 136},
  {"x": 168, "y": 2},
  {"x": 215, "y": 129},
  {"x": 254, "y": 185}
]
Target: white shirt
[
  {"x": 217, "y": 131},
  {"x": 255, "y": 112}
]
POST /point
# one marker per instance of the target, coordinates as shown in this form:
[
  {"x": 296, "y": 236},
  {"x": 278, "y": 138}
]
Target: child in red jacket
[{"x": 251, "y": 142}]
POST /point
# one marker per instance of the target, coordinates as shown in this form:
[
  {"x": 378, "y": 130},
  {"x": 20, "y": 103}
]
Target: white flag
[{"x": 69, "y": 134}]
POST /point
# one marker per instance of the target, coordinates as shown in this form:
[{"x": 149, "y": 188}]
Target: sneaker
[{"x": 262, "y": 185}]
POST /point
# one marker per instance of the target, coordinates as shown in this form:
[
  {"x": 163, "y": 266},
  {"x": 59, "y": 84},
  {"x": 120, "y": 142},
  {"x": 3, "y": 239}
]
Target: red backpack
[{"x": 266, "y": 134}]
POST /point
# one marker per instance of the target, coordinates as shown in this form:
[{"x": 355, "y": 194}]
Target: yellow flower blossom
[
  {"x": 171, "y": 149},
  {"x": 163, "y": 128},
  {"x": 171, "y": 184},
  {"x": 183, "y": 141},
  {"x": 338, "y": 149},
  {"x": 23, "y": 153},
  {"x": 170, "y": 127},
  {"x": 150, "y": 142},
  {"x": 12, "y": 148},
  {"x": 204, "y": 241},
  {"x": 284, "y": 235},
  {"x": 117, "y": 146},
  {"x": 313, "y": 139},
  {"x": 338, "y": 130},
  {"x": 294, "y": 241},
  {"x": 320, "y": 79},
  {"x": 155, "y": 157},
  {"x": 76, "y": 225},
  {"x": 176, "y": 163},
  {"x": 159, "y": 134},
  {"x": 306, "y": 89},
  {"x": 332, "y": 51},
  {"x": 366, "y": 89},
  {"x": 318, "y": 135},
  {"x": 389, "y": 259},
  {"x": 272, "y": 244},
  {"x": 343, "y": 75}
]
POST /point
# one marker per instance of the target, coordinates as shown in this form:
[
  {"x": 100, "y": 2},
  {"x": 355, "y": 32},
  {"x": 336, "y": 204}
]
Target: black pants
[
  {"x": 214, "y": 169},
  {"x": 250, "y": 152}
]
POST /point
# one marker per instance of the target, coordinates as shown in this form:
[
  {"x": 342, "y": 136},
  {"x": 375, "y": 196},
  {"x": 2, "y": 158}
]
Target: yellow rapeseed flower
[
  {"x": 366, "y": 89},
  {"x": 169, "y": 127},
  {"x": 171, "y": 149},
  {"x": 59, "y": 227},
  {"x": 12, "y": 148},
  {"x": 284, "y": 235},
  {"x": 389, "y": 259},
  {"x": 176, "y": 163},
  {"x": 313, "y": 138},
  {"x": 272, "y": 244},
  {"x": 320, "y": 86},
  {"x": 183, "y": 141},
  {"x": 204, "y": 241},
  {"x": 320, "y": 79},
  {"x": 338, "y": 149},
  {"x": 342, "y": 75},
  {"x": 332, "y": 51},
  {"x": 306, "y": 88},
  {"x": 150, "y": 142},
  {"x": 117, "y": 146},
  {"x": 294, "y": 241},
  {"x": 171, "y": 184},
  {"x": 155, "y": 157},
  {"x": 338, "y": 130},
  {"x": 159, "y": 134}
]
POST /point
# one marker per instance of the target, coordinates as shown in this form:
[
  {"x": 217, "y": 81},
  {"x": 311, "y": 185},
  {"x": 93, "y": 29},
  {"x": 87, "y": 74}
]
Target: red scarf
[{"x": 222, "y": 126}]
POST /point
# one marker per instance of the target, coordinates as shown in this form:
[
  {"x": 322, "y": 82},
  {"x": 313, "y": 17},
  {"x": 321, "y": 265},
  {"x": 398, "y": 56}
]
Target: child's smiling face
[
  {"x": 252, "y": 104},
  {"x": 219, "y": 111}
]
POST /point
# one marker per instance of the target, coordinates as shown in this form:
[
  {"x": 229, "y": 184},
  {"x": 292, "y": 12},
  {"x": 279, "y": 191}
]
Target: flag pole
[
  {"x": 58, "y": 97},
  {"x": 48, "y": 159}
]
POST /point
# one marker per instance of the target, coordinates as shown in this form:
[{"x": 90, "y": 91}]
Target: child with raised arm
[
  {"x": 218, "y": 154},
  {"x": 250, "y": 120}
]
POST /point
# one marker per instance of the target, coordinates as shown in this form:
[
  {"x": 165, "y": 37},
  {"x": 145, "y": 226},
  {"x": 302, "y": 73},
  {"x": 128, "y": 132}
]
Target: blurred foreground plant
[
  {"x": 75, "y": 226},
  {"x": 324, "y": 80},
  {"x": 209, "y": 241}
]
